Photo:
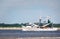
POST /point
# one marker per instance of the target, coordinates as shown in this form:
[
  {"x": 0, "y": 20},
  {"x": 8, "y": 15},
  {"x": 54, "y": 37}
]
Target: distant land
[{"x": 20, "y": 25}]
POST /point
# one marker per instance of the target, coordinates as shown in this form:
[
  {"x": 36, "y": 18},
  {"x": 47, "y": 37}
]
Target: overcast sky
[{"x": 21, "y": 11}]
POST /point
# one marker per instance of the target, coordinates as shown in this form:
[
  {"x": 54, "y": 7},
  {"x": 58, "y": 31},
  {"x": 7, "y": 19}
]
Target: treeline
[
  {"x": 56, "y": 25},
  {"x": 20, "y": 25},
  {"x": 10, "y": 25}
]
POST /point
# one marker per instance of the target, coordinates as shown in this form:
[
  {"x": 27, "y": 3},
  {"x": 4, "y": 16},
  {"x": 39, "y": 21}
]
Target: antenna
[
  {"x": 40, "y": 17},
  {"x": 48, "y": 17}
]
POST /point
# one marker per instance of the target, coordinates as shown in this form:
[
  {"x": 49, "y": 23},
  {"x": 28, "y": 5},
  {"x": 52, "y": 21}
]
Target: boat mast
[{"x": 40, "y": 24}]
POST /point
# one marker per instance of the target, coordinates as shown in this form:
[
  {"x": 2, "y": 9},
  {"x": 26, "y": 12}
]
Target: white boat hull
[{"x": 39, "y": 29}]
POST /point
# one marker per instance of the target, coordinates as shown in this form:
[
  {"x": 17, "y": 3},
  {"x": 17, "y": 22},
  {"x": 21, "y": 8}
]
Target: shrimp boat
[
  {"x": 37, "y": 28},
  {"x": 40, "y": 27}
]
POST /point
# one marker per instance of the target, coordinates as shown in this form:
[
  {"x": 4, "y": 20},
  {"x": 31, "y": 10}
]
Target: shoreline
[
  {"x": 14, "y": 28},
  {"x": 10, "y": 28}
]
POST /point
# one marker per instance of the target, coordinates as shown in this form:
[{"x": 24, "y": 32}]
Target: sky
[{"x": 22, "y": 11}]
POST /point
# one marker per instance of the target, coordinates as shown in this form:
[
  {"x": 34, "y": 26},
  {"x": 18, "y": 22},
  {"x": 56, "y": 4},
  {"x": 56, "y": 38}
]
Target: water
[{"x": 19, "y": 33}]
